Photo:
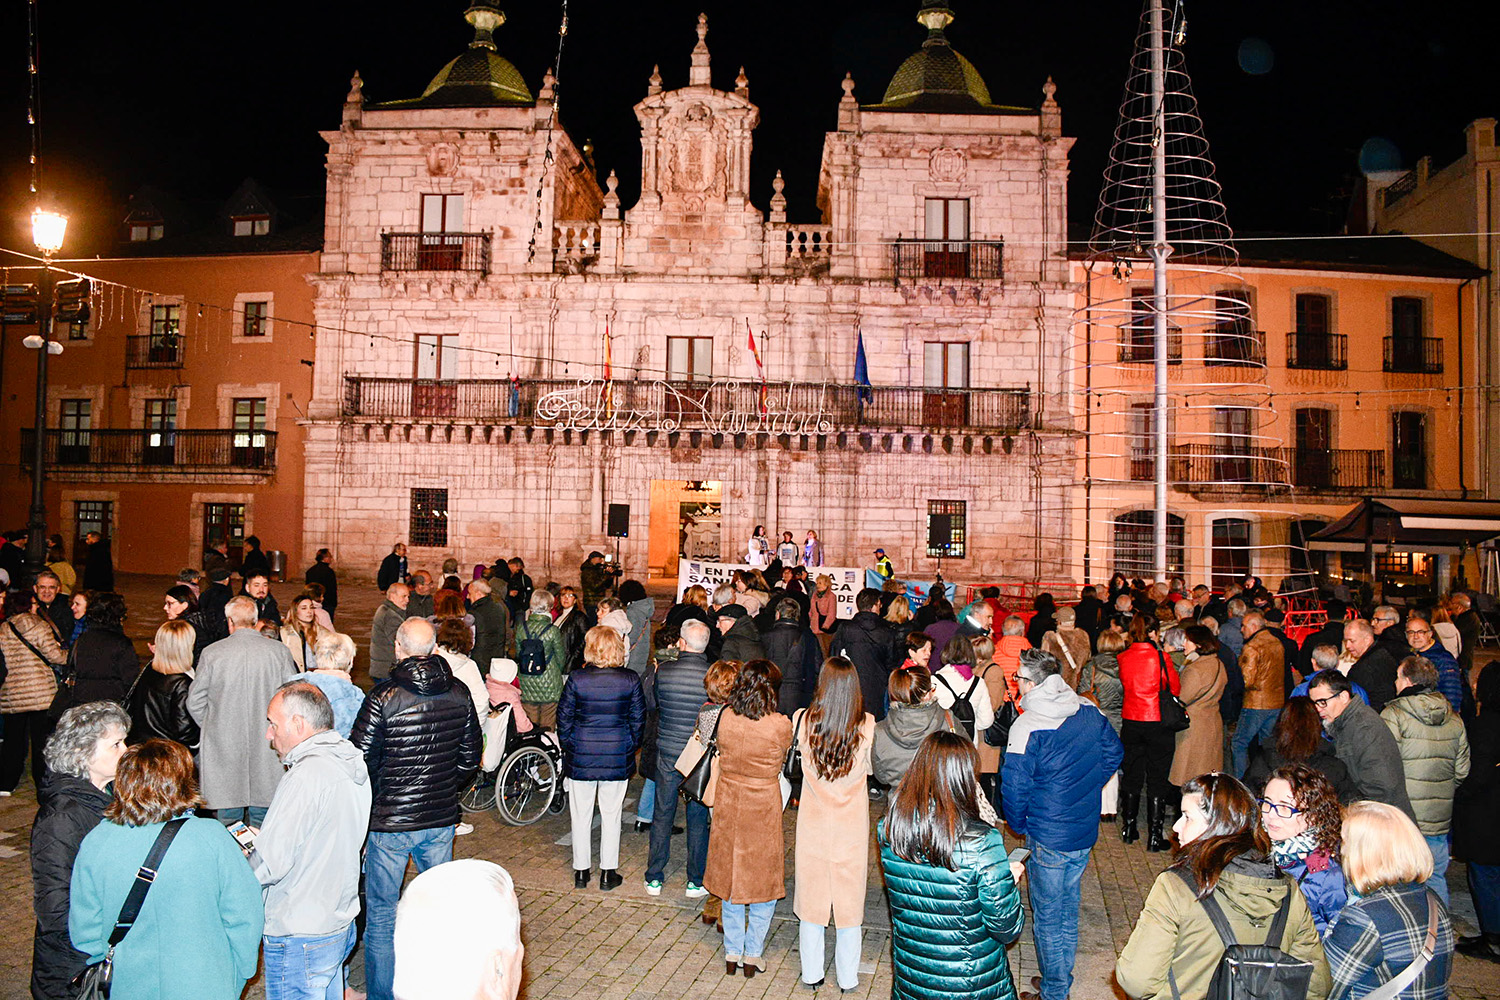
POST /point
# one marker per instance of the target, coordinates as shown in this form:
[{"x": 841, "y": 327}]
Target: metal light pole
[
  {"x": 1160, "y": 250},
  {"x": 47, "y": 230}
]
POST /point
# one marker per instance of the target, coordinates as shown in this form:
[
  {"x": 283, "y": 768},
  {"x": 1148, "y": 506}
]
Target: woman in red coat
[{"x": 1149, "y": 745}]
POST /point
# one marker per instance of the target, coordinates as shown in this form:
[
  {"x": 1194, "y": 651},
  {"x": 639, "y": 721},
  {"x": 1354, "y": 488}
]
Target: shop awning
[{"x": 1440, "y": 527}]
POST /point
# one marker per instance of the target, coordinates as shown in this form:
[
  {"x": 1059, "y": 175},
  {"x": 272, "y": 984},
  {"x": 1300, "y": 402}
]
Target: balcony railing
[
  {"x": 961, "y": 259},
  {"x": 1138, "y": 345},
  {"x": 1317, "y": 351},
  {"x": 435, "y": 252},
  {"x": 154, "y": 352},
  {"x": 715, "y": 406},
  {"x": 1422, "y": 355},
  {"x": 1229, "y": 346},
  {"x": 181, "y": 452},
  {"x": 1205, "y": 466}
]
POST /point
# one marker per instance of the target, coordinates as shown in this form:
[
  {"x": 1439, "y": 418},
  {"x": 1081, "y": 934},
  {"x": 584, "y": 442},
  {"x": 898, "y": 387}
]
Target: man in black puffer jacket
[
  {"x": 785, "y": 644},
  {"x": 680, "y": 695},
  {"x": 866, "y": 641},
  {"x": 421, "y": 741}
]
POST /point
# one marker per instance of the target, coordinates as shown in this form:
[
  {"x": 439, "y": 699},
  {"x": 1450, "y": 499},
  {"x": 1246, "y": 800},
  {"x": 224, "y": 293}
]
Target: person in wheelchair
[
  {"x": 521, "y": 770},
  {"x": 502, "y": 689}
]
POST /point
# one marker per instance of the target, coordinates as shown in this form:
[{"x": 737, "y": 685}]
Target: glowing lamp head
[{"x": 47, "y": 230}]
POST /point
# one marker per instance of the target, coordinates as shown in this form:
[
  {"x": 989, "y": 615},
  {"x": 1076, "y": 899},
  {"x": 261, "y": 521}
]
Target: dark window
[
  {"x": 1143, "y": 441},
  {"x": 1234, "y": 339},
  {"x": 1233, "y": 431},
  {"x": 1134, "y": 544},
  {"x": 1304, "y": 559},
  {"x": 1406, "y": 318},
  {"x": 255, "y": 319},
  {"x": 1313, "y": 459},
  {"x": 161, "y": 422},
  {"x": 1231, "y": 551},
  {"x": 429, "y": 518},
  {"x": 947, "y": 528},
  {"x": 91, "y": 515},
  {"x": 1313, "y": 313},
  {"x": 225, "y": 521},
  {"x": 1409, "y": 451},
  {"x": 77, "y": 331},
  {"x": 165, "y": 344},
  {"x": 74, "y": 420}
]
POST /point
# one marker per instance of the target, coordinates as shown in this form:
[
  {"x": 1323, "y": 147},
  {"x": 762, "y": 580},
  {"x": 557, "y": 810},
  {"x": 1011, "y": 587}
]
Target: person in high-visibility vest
[{"x": 883, "y": 565}]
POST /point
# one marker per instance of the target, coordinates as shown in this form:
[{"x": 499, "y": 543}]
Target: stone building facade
[{"x": 497, "y": 367}]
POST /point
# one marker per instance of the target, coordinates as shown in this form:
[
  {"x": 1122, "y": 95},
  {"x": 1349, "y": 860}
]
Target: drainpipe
[{"x": 1463, "y": 455}]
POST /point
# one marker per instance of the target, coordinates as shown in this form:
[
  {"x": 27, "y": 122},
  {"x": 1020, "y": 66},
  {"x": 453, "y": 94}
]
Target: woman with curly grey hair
[{"x": 81, "y": 756}]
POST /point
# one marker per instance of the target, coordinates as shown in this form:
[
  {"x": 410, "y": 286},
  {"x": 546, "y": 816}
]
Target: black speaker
[
  {"x": 939, "y": 531},
  {"x": 619, "y": 520}
]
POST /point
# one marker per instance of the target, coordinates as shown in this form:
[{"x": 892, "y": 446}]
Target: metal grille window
[
  {"x": 1134, "y": 544},
  {"x": 947, "y": 528},
  {"x": 429, "y": 518},
  {"x": 255, "y": 318}
]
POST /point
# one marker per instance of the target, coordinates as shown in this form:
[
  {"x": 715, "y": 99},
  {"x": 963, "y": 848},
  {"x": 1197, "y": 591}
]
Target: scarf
[{"x": 1287, "y": 853}]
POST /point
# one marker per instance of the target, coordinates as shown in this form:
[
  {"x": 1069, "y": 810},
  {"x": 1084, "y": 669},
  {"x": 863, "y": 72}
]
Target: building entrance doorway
[{"x": 686, "y": 516}]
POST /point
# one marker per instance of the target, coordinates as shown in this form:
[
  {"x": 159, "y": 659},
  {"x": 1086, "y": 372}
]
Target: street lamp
[{"x": 47, "y": 231}]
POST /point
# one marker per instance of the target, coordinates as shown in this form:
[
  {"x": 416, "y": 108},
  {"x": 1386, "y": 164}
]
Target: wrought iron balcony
[
  {"x": 435, "y": 252},
  {"x": 1422, "y": 355},
  {"x": 953, "y": 259},
  {"x": 154, "y": 351},
  {"x": 1232, "y": 346},
  {"x": 722, "y": 406},
  {"x": 169, "y": 452},
  {"x": 1317, "y": 351},
  {"x": 1209, "y": 467},
  {"x": 1138, "y": 345}
]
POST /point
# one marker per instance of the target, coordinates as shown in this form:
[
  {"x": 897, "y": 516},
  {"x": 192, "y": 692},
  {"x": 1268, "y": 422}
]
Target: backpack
[
  {"x": 531, "y": 653},
  {"x": 1251, "y": 971},
  {"x": 963, "y": 708}
]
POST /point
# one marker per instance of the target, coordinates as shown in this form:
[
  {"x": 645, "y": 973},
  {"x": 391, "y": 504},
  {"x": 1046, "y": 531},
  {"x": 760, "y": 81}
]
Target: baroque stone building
[{"x": 504, "y": 350}]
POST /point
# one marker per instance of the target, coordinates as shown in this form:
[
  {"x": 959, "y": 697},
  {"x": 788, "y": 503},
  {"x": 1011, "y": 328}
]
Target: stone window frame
[
  {"x": 140, "y": 393},
  {"x": 227, "y": 393},
  {"x": 94, "y": 393},
  {"x": 237, "y": 333},
  {"x": 1253, "y": 545},
  {"x": 196, "y": 516},
  {"x": 68, "y": 519}
]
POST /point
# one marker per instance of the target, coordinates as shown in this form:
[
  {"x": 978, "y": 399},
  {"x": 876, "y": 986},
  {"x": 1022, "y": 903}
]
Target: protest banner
[{"x": 846, "y": 580}]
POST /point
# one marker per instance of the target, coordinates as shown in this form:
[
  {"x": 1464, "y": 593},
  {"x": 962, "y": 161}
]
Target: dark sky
[{"x": 193, "y": 97}]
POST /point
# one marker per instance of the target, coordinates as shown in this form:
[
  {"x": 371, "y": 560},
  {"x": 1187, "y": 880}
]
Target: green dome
[
  {"x": 478, "y": 78},
  {"x": 937, "y": 75}
]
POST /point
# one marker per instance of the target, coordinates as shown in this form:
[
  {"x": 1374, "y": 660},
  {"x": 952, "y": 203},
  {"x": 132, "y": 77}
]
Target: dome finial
[
  {"x": 935, "y": 15},
  {"x": 653, "y": 84},
  {"x": 742, "y": 84},
  {"x": 356, "y": 90},
  {"x": 698, "y": 75},
  {"x": 485, "y": 16}
]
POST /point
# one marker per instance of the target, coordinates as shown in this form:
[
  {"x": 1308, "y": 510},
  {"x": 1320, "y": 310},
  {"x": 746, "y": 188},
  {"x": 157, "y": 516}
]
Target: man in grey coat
[
  {"x": 235, "y": 681},
  {"x": 1361, "y": 740},
  {"x": 493, "y": 631},
  {"x": 307, "y": 853},
  {"x": 388, "y": 618}
]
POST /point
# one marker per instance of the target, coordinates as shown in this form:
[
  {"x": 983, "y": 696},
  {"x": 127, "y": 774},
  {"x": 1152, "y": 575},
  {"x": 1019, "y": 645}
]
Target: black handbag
[
  {"x": 999, "y": 732},
  {"x": 695, "y": 783},
  {"x": 93, "y": 983},
  {"x": 792, "y": 766},
  {"x": 1174, "y": 714}
]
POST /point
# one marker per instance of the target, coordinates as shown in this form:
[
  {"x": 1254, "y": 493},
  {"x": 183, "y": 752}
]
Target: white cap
[
  {"x": 503, "y": 669},
  {"x": 4, "y": 578}
]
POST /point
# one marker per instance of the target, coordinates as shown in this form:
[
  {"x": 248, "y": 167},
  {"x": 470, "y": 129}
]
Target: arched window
[{"x": 1134, "y": 544}]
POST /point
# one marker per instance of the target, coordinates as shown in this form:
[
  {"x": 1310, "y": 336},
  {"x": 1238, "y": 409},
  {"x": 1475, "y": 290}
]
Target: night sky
[{"x": 193, "y": 97}]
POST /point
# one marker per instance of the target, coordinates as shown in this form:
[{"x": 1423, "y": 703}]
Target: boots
[
  {"x": 581, "y": 877},
  {"x": 1156, "y": 815},
  {"x": 988, "y": 786},
  {"x": 609, "y": 879},
  {"x": 1130, "y": 804}
]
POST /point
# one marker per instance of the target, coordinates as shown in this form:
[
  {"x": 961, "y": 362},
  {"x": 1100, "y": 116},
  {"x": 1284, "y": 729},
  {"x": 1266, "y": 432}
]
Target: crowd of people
[{"x": 1311, "y": 793}]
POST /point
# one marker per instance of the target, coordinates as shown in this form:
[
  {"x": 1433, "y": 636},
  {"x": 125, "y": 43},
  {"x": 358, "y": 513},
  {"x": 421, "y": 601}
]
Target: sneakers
[
  {"x": 653, "y": 887},
  {"x": 694, "y": 891},
  {"x": 463, "y": 828}
]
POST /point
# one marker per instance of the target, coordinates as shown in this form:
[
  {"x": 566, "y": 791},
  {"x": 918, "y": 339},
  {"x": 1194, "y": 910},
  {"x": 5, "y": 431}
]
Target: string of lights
[{"x": 541, "y": 183}]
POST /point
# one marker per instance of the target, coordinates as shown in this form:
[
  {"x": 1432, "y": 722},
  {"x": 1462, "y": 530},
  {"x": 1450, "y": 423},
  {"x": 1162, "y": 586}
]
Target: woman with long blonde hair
[
  {"x": 158, "y": 703},
  {"x": 300, "y": 633}
]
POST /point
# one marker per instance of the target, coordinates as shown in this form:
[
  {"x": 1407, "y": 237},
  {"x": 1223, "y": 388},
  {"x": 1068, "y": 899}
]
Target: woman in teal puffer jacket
[{"x": 953, "y": 898}]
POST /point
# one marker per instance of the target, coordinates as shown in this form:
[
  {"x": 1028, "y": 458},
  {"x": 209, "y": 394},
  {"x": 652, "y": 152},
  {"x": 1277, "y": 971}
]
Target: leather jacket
[{"x": 158, "y": 709}]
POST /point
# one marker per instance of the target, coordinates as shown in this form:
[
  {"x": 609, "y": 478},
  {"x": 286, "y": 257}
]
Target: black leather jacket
[
  {"x": 421, "y": 742},
  {"x": 158, "y": 708}
]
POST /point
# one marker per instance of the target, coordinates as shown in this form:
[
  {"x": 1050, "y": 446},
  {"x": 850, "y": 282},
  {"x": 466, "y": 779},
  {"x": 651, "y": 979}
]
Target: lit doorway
[{"x": 686, "y": 520}]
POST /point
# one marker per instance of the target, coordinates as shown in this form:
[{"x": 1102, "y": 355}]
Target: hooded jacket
[
  {"x": 1174, "y": 932},
  {"x": 900, "y": 733},
  {"x": 1434, "y": 754},
  {"x": 70, "y": 808},
  {"x": 638, "y": 642},
  {"x": 949, "y": 927},
  {"x": 421, "y": 742},
  {"x": 307, "y": 854},
  {"x": 1061, "y": 753},
  {"x": 1370, "y": 752},
  {"x": 866, "y": 641}
]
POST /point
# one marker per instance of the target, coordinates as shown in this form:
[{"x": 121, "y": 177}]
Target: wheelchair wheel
[
  {"x": 480, "y": 795},
  {"x": 526, "y": 785}
]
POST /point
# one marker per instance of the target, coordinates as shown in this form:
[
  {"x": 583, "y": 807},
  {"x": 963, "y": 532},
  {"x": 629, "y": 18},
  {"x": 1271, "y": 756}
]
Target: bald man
[{"x": 388, "y": 617}]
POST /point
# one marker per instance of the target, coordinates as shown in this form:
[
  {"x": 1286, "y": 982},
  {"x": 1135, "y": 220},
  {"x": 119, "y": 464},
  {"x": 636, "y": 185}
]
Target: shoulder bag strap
[
  {"x": 27, "y": 643},
  {"x": 1073, "y": 666},
  {"x": 944, "y": 682},
  {"x": 143, "y": 879},
  {"x": 1211, "y": 907},
  {"x": 1393, "y": 987},
  {"x": 1277, "y": 933}
]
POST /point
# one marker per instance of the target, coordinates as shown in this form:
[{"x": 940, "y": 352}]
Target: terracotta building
[
  {"x": 495, "y": 370},
  {"x": 172, "y": 412}
]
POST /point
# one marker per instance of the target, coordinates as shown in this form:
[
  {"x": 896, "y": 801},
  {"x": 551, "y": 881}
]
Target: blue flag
[{"x": 862, "y": 369}]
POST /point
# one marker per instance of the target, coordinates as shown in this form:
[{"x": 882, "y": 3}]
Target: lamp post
[{"x": 47, "y": 230}]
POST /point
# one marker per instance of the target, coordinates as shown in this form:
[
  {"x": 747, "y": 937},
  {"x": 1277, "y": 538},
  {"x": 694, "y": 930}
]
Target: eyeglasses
[
  {"x": 1284, "y": 811},
  {"x": 1419, "y": 631},
  {"x": 1324, "y": 702}
]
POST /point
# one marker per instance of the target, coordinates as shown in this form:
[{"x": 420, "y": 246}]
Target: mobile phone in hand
[
  {"x": 1018, "y": 856},
  {"x": 242, "y": 833}
]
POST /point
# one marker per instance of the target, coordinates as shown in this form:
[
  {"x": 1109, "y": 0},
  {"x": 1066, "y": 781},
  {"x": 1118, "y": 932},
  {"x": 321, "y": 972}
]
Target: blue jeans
[
  {"x": 668, "y": 781},
  {"x": 645, "y": 807},
  {"x": 386, "y": 855},
  {"x": 307, "y": 968},
  {"x": 1255, "y": 723},
  {"x": 745, "y": 927},
  {"x": 1484, "y": 885},
  {"x": 1054, "y": 884},
  {"x": 1439, "y": 881},
  {"x": 252, "y": 815}
]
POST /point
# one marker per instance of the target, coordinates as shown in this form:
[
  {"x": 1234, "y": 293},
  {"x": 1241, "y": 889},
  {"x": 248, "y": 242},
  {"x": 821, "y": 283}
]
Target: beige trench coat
[
  {"x": 1200, "y": 747},
  {"x": 832, "y": 856}
]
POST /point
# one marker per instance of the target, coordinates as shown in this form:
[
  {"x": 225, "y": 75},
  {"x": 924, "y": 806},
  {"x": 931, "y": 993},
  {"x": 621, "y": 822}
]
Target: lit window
[
  {"x": 142, "y": 233},
  {"x": 252, "y": 226},
  {"x": 947, "y": 530},
  {"x": 429, "y": 518},
  {"x": 255, "y": 319}
]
